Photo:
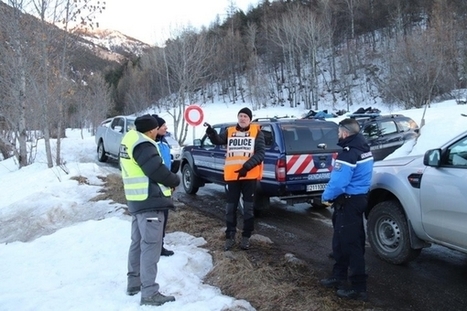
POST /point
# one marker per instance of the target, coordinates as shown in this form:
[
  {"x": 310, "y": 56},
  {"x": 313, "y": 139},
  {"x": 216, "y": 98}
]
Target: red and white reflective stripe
[{"x": 299, "y": 164}]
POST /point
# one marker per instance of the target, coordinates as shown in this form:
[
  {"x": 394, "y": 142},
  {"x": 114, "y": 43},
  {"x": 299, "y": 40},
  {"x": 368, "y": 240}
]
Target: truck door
[
  {"x": 205, "y": 158},
  {"x": 443, "y": 196},
  {"x": 114, "y": 136},
  {"x": 390, "y": 138}
]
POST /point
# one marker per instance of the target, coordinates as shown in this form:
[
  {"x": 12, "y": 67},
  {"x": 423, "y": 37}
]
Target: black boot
[
  {"x": 352, "y": 294},
  {"x": 331, "y": 282},
  {"x": 245, "y": 245},
  {"x": 229, "y": 241},
  {"x": 166, "y": 252}
]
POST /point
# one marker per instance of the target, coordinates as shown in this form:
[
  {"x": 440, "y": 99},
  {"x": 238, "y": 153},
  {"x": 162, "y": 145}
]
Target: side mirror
[
  {"x": 118, "y": 128},
  {"x": 432, "y": 158},
  {"x": 197, "y": 142}
]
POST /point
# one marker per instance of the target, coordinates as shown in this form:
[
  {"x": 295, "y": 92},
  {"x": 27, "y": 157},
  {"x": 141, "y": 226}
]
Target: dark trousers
[
  {"x": 234, "y": 189},
  {"x": 348, "y": 242},
  {"x": 166, "y": 216}
]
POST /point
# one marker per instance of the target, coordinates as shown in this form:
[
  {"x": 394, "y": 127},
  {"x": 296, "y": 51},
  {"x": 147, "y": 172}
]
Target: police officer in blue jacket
[{"x": 347, "y": 190}]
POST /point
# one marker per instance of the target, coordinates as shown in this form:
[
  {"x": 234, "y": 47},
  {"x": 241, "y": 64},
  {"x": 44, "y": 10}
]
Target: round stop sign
[{"x": 193, "y": 115}]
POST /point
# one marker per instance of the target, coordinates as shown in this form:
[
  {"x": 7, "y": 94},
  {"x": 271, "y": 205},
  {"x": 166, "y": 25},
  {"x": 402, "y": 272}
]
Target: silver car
[{"x": 418, "y": 200}]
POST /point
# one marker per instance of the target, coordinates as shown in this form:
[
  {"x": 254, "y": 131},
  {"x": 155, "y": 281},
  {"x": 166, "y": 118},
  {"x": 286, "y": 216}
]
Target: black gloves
[
  {"x": 209, "y": 129},
  {"x": 241, "y": 172}
]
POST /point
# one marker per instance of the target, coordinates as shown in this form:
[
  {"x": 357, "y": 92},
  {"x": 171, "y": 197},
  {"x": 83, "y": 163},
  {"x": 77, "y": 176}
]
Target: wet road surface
[{"x": 436, "y": 280}]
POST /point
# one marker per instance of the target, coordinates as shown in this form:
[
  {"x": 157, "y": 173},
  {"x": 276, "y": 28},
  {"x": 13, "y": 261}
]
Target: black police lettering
[{"x": 240, "y": 142}]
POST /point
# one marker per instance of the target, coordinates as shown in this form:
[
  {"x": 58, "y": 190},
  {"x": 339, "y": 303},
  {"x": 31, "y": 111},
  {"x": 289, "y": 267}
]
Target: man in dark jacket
[
  {"x": 347, "y": 189},
  {"x": 148, "y": 185},
  {"x": 242, "y": 170}
]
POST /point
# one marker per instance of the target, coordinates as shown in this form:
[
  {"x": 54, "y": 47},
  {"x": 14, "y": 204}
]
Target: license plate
[{"x": 315, "y": 187}]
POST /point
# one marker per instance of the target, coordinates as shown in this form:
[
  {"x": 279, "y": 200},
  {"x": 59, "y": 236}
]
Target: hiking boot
[
  {"x": 156, "y": 300},
  {"x": 245, "y": 245},
  {"x": 166, "y": 252},
  {"x": 331, "y": 282},
  {"x": 352, "y": 294},
  {"x": 131, "y": 291},
  {"x": 229, "y": 241}
]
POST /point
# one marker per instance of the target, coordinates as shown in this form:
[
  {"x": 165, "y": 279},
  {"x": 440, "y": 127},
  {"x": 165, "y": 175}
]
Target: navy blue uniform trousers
[{"x": 348, "y": 242}]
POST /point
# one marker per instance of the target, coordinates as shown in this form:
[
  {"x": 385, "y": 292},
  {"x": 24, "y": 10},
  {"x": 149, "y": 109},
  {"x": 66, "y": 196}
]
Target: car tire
[
  {"x": 101, "y": 155},
  {"x": 388, "y": 233},
  {"x": 190, "y": 180}
]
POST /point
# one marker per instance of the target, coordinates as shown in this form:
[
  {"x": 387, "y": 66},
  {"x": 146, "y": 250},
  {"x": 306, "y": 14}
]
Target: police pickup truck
[{"x": 299, "y": 157}]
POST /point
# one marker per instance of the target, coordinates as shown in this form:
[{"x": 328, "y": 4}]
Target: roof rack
[
  {"x": 364, "y": 115},
  {"x": 275, "y": 118},
  {"x": 373, "y": 115}
]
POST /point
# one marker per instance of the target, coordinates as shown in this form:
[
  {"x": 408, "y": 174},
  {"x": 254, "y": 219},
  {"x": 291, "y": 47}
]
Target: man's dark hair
[{"x": 349, "y": 125}]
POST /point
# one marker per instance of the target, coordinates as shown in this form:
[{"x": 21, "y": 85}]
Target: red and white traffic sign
[{"x": 193, "y": 115}]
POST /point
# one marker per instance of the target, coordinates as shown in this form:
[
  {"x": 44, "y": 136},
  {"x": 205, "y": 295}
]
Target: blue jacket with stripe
[{"x": 352, "y": 170}]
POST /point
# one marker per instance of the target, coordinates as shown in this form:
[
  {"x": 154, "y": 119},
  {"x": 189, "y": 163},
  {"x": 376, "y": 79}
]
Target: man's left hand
[{"x": 241, "y": 172}]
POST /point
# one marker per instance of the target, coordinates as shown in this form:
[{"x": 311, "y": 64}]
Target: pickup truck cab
[
  {"x": 110, "y": 133},
  {"x": 299, "y": 157}
]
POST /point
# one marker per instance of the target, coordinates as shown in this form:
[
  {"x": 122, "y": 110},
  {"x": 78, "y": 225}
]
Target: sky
[
  {"x": 59, "y": 251},
  {"x": 153, "y": 21}
]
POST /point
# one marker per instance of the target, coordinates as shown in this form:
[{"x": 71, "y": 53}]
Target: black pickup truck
[{"x": 300, "y": 155}]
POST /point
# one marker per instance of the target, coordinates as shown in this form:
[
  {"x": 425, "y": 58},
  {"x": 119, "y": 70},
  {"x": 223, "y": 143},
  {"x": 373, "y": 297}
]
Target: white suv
[{"x": 418, "y": 200}]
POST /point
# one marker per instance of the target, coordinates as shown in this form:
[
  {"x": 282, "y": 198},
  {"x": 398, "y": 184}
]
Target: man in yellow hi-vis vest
[
  {"x": 243, "y": 168},
  {"x": 148, "y": 185}
]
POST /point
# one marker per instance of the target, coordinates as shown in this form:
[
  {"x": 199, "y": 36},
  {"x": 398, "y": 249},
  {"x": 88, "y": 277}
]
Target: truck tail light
[{"x": 281, "y": 170}]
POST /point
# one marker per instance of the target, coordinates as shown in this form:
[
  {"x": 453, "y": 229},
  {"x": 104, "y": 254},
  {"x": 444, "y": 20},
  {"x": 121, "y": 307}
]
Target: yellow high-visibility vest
[{"x": 135, "y": 182}]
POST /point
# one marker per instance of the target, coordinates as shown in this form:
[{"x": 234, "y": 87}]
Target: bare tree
[
  {"x": 188, "y": 62},
  {"x": 413, "y": 68},
  {"x": 15, "y": 30}
]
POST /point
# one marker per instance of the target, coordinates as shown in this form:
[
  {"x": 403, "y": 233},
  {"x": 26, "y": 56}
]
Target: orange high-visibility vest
[{"x": 240, "y": 148}]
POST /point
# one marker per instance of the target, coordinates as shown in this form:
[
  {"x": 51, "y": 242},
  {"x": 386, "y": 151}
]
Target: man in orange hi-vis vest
[{"x": 243, "y": 168}]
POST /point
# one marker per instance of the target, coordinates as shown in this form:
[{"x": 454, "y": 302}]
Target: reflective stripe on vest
[
  {"x": 135, "y": 182},
  {"x": 240, "y": 148}
]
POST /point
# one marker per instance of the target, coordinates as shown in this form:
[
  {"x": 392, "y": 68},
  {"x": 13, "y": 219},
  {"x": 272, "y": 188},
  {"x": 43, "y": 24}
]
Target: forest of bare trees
[{"x": 294, "y": 52}]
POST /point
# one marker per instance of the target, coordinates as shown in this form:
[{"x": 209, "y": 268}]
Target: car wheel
[
  {"x": 190, "y": 181},
  {"x": 388, "y": 233},
  {"x": 175, "y": 167},
  {"x": 101, "y": 156}
]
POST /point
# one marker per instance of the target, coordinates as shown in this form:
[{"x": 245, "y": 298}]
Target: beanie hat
[
  {"x": 145, "y": 123},
  {"x": 160, "y": 121},
  {"x": 246, "y": 111}
]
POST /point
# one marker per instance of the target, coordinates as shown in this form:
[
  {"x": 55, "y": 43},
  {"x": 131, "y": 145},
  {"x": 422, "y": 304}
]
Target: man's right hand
[{"x": 209, "y": 129}]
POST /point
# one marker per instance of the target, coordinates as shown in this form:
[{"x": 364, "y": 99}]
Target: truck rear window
[{"x": 310, "y": 137}]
